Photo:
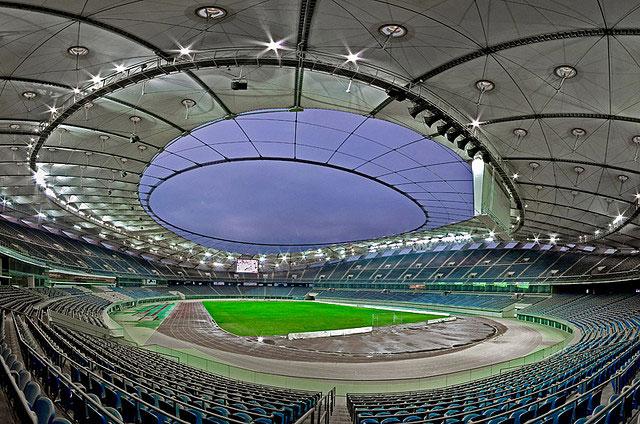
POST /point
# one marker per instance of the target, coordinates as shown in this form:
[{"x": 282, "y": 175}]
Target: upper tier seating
[
  {"x": 558, "y": 390},
  {"x": 85, "y": 307},
  {"x": 495, "y": 302},
  {"x": 479, "y": 265}
]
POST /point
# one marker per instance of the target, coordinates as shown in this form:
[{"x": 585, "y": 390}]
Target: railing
[
  {"x": 9, "y": 386},
  {"x": 322, "y": 411}
]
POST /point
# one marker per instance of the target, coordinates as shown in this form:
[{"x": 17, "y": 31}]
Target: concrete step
[{"x": 340, "y": 413}]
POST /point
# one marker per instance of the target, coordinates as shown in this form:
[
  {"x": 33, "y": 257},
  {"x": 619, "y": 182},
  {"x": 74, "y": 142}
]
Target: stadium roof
[{"x": 548, "y": 92}]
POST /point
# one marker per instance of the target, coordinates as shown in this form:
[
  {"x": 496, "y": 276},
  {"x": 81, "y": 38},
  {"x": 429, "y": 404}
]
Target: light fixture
[
  {"x": 103, "y": 137},
  {"x": 274, "y": 45},
  {"x": 578, "y": 169},
  {"x": 353, "y": 57},
  {"x": 120, "y": 68},
  {"x": 76, "y": 90},
  {"x": 393, "y": 30},
  {"x": 41, "y": 215},
  {"x": 515, "y": 176},
  {"x": 14, "y": 126},
  {"x": 95, "y": 79},
  {"x": 185, "y": 51},
  {"x": 210, "y": 12},
  {"x": 578, "y": 132},
  {"x": 623, "y": 178},
  {"x": 135, "y": 119},
  {"x": 78, "y": 50},
  {"x": 29, "y": 95},
  {"x": 142, "y": 147},
  {"x": 565, "y": 71},
  {"x": 40, "y": 177},
  {"x": 618, "y": 219},
  {"x": 520, "y": 132},
  {"x": 534, "y": 165},
  {"x": 52, "y": 109},
  {"x": 485, "y": 85},
  {"x": 188, "y": 103},
  {"x": 475, "y": 123}
]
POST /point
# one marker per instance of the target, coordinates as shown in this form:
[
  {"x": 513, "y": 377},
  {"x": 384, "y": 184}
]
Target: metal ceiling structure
[{"x": 547, "y": 91}]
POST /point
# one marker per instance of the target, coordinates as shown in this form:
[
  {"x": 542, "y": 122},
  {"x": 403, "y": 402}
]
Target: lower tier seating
[{"x": 562, "y": 389}]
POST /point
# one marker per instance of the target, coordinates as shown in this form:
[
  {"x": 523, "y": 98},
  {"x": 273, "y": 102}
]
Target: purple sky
[
  {"x": 285, "y": 202},
  {"x": 279, "y": 202}
]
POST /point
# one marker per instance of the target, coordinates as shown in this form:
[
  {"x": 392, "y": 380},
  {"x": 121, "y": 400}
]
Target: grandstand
[{"x": 319, "y": 212}]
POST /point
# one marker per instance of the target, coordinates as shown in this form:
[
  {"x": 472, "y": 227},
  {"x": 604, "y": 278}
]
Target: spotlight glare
[
  {"x": 353, "y": 57},
  {"x": 120, "y": 68},
  {"x": 274, "y": 45},
  {"x": 185, "y": 51}
]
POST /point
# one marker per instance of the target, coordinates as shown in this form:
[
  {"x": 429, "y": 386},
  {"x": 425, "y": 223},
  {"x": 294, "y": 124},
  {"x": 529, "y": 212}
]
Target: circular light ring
[
  {"x": 375, "y": 149},
  {"x": 534, "y": 165},
  {"x": 188, "y": 103},
  {"x": 78, "y": 51},
  {"x": 578, "y": 169},
  {"x": 393, "y": 30},
  {"x": 210, "y": 12},
  {"x": 636, "y": 139},
  {"x": 14, "y": 126},
  {"x": 29, "y": 95},
  {"x": 565, "y": 71}
]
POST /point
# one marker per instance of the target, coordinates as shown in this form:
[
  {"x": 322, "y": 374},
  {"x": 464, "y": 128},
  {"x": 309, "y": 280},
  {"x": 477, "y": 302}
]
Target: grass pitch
[{"x": 258, "y": 318}]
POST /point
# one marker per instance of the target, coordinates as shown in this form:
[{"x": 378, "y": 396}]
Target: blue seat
[
  {"x": 129, "y": 410},
  {"x": 563, "y": 417},
  {"x": 241, "y": 416},
  {"x": 521, "y": 416},
  {"x": 148, "y": 417},
  {"x": 113, "y": 412},
  {"x": 369, "y": 421},
  {"x": 43, "y": 407},
  {"x": 24, "y": 377},
  {"x": 190, "y": 415},
  {"x": 390, "y": 420},
  {"x": 469, "y": 417},
  {"x": 219, "y": 410},
  {"x": 411, "y": 418},
  {"x": 31, "y": 392}
]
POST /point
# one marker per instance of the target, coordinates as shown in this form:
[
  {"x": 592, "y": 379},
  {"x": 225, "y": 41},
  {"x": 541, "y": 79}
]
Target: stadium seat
[
  {"x": 43, "y": 407},
  {"x": 31, "y": 392}
]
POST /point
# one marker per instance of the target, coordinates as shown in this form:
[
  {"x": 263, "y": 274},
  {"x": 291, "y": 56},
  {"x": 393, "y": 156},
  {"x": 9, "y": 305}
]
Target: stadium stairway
[{"x": 340, "y": 412}]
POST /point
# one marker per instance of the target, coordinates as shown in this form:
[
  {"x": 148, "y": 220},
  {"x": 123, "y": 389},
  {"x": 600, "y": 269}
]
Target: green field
[{"x": 256, "y": 318}]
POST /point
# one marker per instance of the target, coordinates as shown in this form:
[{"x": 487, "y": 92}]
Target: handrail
[
  {"x": 620, "y": 400},
  {"x": 322, "y": 410}
]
